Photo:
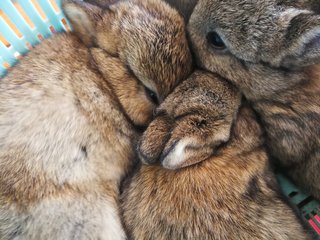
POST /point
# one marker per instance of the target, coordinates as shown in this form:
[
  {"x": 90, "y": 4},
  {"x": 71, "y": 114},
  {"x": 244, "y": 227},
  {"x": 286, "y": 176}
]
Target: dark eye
[
  {"x": 152, "y": 96},
  {"x": 215, "y": 41}
]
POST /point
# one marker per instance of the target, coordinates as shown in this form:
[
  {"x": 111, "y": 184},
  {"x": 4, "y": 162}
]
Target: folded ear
[
  {"x": 302, "y": 40},
  {"x": 184, "y": 7},
  {"x": 184, "y": 153},
  {"x": 84, "y": 18}
]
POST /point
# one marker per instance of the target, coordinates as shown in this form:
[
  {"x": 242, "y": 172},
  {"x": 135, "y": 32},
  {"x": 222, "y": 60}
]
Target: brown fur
[
  {"x": 270, "y": 51},
  {"x": 231, "y": 195},
  {"x": 303, "y": 4},
  {"x": 185, "y": 7},
  {"x": 69, "y": 112},
  {"x": 102, "y": 3}
]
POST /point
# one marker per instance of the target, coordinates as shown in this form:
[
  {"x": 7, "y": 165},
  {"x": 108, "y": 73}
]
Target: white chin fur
[{"x": 177, "y": 156}]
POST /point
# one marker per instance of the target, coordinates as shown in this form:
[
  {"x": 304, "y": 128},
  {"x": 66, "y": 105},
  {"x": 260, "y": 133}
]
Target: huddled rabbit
[
  {"x": 208, "y": 174},
  {"x": 71, "y": 112},
  {"x": 270, "y": 49}
]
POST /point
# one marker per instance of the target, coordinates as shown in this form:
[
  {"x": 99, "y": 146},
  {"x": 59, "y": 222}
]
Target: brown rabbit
[
  {"x": 70, "y": 113},
  {"x": 231, "y": 195},
  {"x": 269, "y": 51}
]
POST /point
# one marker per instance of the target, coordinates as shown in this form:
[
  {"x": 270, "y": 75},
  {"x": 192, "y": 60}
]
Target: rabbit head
[
  {"x": 259, "y": 31},
  {"x": 139, "y": 47},
  {"x": 191, "y": 123},
  {"x": 261, "y": 46}
]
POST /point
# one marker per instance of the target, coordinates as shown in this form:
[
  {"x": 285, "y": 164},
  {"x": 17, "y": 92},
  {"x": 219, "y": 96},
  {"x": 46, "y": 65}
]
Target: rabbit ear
[
  {"x": 184, "y": 153},
  {"x": 184, "y": 7},
  {"x": 302, "y": 40},
  {"x": 83, "y": 17}
]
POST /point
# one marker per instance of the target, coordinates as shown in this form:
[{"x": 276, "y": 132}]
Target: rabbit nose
[
  {"x": 160, "y": 113},
  {"x": 154, "y": 112}
]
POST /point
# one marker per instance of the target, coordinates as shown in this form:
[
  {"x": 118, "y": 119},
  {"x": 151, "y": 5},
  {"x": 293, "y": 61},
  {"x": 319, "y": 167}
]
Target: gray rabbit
[{"x": 270, "y": 50}]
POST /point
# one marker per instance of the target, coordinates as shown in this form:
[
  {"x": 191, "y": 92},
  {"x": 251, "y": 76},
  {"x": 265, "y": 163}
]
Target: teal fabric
[{"x": 30, "y": 36}]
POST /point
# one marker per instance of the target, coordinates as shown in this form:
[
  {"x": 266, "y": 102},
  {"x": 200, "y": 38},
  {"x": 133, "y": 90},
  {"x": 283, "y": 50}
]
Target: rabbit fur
[
  {"x": 71, "y": 112},
  {"x": 207, "y": 174},
  {"x": 270, "y": 50}
]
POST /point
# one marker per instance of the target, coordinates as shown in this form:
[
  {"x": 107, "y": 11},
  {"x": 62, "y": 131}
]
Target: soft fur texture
[
  {"x": 184, "y": 6},
  {"x": 102, "y": 3},
  {"x": 69, "y": 113},
  {"x": 231, "y": 192},
  {"x": 271, "y": 48}
]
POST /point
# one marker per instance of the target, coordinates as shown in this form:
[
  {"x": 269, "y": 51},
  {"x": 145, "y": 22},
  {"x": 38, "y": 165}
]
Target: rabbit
[
  {"x": 71, "y": 113},
  {"x": 271, "y": 52},
  {"x": 206, "y": 174}
]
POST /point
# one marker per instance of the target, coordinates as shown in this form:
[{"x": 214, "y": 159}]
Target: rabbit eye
[
  {"x": 201, "y": 123},
  {"x": 152, "y": 96},
  {"x": 215, "y": 41}
]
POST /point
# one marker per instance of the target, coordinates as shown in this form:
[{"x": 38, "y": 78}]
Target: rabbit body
[
  {"x": 69, "y": 114},
  {"x": 231, "y": 193},
  {"x": 65, "y": 144},
  {"x": 270, "y": 51}
]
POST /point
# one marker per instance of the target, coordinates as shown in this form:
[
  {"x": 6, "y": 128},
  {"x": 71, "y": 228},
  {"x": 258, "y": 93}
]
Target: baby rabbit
[
  {"x": 269, "y": 51},
  {"x": 70, "y": 114},
  {"x": 230, "y": 194}
]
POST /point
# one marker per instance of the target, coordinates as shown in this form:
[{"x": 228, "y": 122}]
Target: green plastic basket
[
  {"x": 306, "y": 205},
  {"x": 25, "y": 23}
]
